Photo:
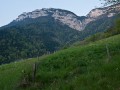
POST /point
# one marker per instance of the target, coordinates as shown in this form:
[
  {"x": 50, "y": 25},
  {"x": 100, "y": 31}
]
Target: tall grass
[{"x": 76, "y": 68}]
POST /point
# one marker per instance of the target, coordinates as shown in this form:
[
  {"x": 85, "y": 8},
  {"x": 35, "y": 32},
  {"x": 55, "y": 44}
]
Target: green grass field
[{"x": 86, "y": 67}]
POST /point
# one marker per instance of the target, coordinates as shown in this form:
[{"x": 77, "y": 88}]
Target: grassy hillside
[{"x": 87, "y": 67}]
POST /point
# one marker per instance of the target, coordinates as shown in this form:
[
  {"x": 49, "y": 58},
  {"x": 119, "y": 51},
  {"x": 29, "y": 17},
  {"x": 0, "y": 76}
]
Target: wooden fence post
[
  {"x": 34, "y": 71},
  {"x": 108, "y": 53}
]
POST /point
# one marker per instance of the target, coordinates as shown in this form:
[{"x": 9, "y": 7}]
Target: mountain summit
[
  {"x": 69, "y": 18},
  {"x": 64, "y": 16}
]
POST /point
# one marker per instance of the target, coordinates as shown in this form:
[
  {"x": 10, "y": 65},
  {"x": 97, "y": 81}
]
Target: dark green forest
[{"x": 33, "y": 37}]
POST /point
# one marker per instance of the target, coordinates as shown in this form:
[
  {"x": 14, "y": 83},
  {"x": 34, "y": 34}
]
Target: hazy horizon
[{"x": 11, "y": 9}]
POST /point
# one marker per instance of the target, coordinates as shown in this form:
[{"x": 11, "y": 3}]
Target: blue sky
[{"x": 10, "y": 9}]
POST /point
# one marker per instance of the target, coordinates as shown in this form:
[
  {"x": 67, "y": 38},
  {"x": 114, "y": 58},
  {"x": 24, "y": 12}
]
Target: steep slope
[
  {"x": 94, "y": 21},
  {"x": 65, "y": 17},
  {"x": 69, "y": 18},
  {"x": 100, "y": 19},
  {"x": 34, "y": 37},
  {"x": 99, "y": 13},
  {"x": 100, "y": 25},
  {"x": 77, "y": 68}
]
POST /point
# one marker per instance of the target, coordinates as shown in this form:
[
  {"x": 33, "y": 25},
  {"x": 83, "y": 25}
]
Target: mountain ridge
[{"x": 69, "y": 18}]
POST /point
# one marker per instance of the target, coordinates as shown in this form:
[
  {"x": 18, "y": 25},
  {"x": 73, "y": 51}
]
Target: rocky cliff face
[
  {"x": 66, "y": 17},
  {"x": 99, "y": 13},
  {"x": 71, "y": 19}
]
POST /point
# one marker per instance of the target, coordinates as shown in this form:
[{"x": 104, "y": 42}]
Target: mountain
[
  {"x": 69, "y": 18},
  {"x": 47, "y": 30},
  {"x": 63, "y": 16},
  {"x": 101, "y": 19},
  {"x": 34, "y": 37}
]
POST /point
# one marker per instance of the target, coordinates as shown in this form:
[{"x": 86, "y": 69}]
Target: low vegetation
[{"x": 94, "y": 66}]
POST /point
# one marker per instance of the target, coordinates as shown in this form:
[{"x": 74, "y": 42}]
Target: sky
[{"x": 10, "y": 9}]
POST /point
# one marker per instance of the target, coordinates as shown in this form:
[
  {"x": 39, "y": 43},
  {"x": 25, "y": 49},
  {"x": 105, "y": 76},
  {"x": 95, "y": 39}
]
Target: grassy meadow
[{"x": 95, "y": 66}]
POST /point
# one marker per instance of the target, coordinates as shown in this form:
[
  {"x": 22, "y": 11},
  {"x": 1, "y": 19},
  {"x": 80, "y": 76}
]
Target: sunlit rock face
[
  {"x": 95, "y": 13},
  {"x": 69, "y": 18},
  {"x": 99, "y": 13},
  {"x": 65, "y": 17}
]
